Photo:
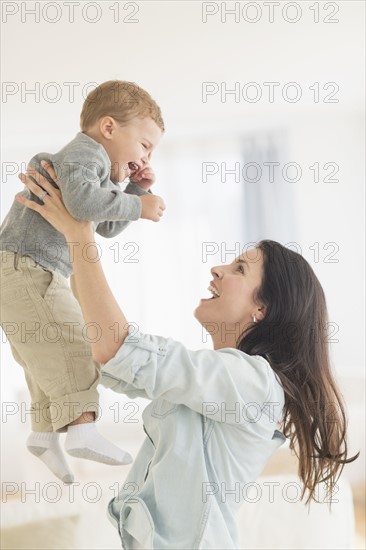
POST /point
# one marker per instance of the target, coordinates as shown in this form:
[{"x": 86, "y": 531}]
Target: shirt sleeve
[
  {"x": 84, "y": 196},
  {"x": 205, "y": 380},
  {"x": 110, "y": 229}
]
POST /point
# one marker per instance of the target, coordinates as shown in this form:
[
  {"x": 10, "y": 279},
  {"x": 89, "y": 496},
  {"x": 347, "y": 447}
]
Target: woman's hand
[{"x": 53, "y": 210}]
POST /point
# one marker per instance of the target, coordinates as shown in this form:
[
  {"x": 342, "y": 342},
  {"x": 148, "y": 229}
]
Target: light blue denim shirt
[{"x": 210, "y": 428}]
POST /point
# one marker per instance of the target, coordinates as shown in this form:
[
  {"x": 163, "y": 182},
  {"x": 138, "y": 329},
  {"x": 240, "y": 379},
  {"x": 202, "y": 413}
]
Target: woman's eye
[{"x": 241, "y": 268}]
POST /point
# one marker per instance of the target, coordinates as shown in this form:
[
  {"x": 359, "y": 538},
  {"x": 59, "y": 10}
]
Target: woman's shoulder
[
  {"x": 257, "y": 361},
  {"x": 259, "y": 368}
]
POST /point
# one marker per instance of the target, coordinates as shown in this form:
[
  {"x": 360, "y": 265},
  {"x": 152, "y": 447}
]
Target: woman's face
[{"x": 226, "y": 316}]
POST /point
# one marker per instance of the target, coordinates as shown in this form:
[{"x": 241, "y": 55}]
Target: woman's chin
[{"x": 201, "y": 311}]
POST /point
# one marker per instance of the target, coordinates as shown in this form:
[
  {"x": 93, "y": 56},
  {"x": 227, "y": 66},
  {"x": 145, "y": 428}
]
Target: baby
[{"x": 120, "y": 127}]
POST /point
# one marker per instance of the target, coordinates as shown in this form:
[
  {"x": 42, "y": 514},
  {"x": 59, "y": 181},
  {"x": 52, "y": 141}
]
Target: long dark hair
[{"x": 293, "y": 337}]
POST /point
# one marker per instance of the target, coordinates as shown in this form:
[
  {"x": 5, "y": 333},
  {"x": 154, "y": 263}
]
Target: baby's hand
[
  {"x": 152, "y": 207},
  {"x": 144, "y": 177}
]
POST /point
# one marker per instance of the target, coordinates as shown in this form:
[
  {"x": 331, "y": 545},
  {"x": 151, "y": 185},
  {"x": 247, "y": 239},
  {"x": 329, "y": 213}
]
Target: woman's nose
[{"x": 217, "y": 271}]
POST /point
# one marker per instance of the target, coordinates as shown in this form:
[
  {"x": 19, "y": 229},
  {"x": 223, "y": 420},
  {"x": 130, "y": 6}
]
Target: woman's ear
[{"x": 261, "y": 313}]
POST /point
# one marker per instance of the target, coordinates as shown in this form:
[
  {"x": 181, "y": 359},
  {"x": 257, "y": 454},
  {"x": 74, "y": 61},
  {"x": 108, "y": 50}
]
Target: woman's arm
[
  {"x": 73, "y": 286},
  {"x": 98, "y": 305},
  {"x": 97, "y": 302}
]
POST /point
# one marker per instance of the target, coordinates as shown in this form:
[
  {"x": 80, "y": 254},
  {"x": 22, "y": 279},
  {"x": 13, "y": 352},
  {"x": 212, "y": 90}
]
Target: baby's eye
[{"x": 145, "y": 146}]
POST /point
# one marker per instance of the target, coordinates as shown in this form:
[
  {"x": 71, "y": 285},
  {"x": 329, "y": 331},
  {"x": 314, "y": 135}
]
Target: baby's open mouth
[{"x": 133, "y": 166}]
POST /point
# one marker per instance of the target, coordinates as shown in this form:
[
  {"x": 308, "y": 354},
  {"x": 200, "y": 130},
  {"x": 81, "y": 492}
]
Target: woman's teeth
[{"x": 214, "y": 291}]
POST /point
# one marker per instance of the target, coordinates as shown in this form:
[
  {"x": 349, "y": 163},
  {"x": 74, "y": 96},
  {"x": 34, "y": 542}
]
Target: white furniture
[{"x": 279, "y": 520}]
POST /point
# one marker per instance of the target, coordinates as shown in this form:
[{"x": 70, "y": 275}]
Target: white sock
[
  {"x": 46, "y": 446},
  {"x": 84, "y": 441}
]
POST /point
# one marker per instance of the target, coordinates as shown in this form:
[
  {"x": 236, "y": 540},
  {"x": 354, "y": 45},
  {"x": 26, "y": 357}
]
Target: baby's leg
[
  {"x": 43, "y": 442},
  {"x": 60, "y": 362}
]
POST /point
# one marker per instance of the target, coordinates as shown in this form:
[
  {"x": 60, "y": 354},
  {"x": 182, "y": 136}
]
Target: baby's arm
[
  {"x": 86, "y": 189},
  {"x": 85, "y": 199},
  {"x": 83, "y": 175},
  {"x": 110, "y": 229}
]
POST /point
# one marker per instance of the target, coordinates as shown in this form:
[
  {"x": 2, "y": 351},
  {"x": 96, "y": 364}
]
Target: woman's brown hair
[{"x": 293, "y": 337}]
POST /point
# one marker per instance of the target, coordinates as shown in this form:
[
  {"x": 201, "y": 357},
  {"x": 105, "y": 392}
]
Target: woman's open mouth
[{"x": 215, "y": 293}]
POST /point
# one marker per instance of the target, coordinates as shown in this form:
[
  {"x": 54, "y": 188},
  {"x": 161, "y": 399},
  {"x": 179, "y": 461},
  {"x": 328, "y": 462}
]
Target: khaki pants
[{"x": 45, "y": 328}]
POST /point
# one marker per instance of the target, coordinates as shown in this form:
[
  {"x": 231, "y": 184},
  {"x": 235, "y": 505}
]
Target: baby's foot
[
  {"x": 46, "y": 446},
  {"x": 84, "y": 441}
]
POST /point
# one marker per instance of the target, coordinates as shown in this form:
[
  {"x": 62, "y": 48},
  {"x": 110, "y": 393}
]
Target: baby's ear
[{"x": 107, "y": 126}]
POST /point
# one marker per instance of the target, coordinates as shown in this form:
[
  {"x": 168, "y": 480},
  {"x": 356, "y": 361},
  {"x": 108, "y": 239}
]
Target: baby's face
[{"x": 130, "y": 147}]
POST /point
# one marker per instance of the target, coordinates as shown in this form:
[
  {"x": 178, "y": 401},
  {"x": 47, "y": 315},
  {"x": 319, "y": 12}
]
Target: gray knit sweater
[{"x": 83, "y": 171}]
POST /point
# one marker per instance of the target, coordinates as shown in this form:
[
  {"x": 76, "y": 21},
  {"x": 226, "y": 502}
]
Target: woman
[{"x": 216, "y": 416}]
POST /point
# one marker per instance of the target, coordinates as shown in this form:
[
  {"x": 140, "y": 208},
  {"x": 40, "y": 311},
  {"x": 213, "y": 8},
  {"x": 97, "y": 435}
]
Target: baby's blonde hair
[{"x": 122, "y": 101}]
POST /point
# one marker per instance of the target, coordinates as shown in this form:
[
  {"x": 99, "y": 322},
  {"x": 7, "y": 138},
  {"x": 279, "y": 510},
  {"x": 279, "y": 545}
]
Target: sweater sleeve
[
  {"x": 205, "y": 380},
  {"x": 86, "y": 189},
  {"x": 110, "y": 229}
]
